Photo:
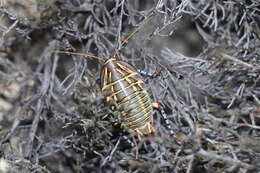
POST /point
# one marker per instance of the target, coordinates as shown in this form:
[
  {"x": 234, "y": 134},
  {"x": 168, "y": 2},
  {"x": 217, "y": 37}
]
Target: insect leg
[
  {"x": 145, "y": 73},
  {"x": 122, "y": 138},
  {"x": 164, "y": 117},
  {"x": 167, "y": 122},
  {"x": 151, "y": 75},
  {"x": 126, "y": 140}
]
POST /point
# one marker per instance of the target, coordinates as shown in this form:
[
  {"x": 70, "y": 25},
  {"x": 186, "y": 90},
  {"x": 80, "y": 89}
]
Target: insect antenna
[
  {"x": 79, "y": 54},
  {"x": 125, "y": 40}
]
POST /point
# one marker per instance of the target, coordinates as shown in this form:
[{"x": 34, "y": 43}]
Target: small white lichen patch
[{"x": 4, "y": 166}]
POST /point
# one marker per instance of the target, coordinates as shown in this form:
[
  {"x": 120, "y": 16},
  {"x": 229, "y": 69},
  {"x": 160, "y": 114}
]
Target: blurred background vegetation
[{"x": 53, "y": 117}]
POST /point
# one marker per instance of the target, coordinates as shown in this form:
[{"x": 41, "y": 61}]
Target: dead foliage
[{"x": 53, "y": 117}]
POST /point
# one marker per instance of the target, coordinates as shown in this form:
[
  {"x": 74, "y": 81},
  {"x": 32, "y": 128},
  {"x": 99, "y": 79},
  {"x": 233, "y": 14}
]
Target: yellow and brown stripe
[{"x": 122, "y": 85}]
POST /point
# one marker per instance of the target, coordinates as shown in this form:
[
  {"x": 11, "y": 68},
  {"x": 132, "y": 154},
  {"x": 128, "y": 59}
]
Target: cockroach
[{"x": 122, "y": 85}]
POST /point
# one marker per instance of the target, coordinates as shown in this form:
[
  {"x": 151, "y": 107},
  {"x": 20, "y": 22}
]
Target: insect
[{"x": 123, "y": 85}]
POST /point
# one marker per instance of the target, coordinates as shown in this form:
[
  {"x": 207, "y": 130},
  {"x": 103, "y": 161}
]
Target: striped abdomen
[{"x": 123, "y": 86}]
